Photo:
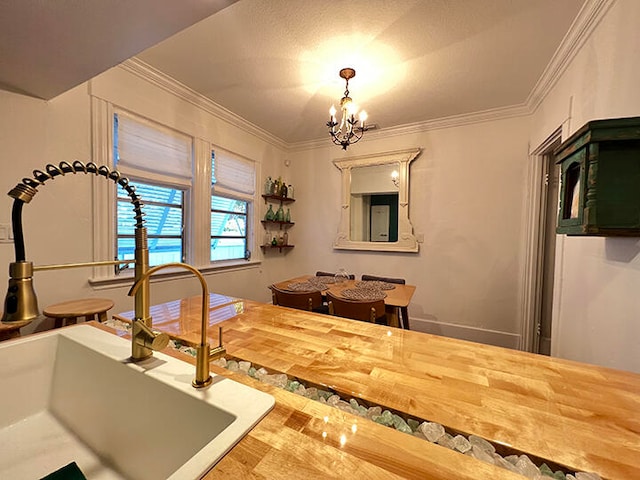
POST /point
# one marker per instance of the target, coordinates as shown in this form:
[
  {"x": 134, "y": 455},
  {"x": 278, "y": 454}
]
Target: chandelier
[{"x": 346, "y": 131}]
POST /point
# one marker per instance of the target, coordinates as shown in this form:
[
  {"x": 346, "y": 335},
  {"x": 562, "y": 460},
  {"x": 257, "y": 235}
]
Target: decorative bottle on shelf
[
  {"x": 268, "y": 186},
  {"x": 287, "y": 217},
  {"x": 270, "y": 216},
  {"x": 290, "y": 192},
  {"x": 267, "y": 238},
  {"x": 274, "y": 241},
  {"x": 280, "y": 214},
  {"x": 286, "y": 238},
  {"x": 284, "y": 190}
]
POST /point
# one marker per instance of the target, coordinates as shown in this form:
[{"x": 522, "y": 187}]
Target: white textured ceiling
[{"x": 276, "y": 62}]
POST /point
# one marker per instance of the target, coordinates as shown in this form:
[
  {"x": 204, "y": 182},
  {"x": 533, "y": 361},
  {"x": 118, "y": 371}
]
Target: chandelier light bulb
[{"x": 332, "y": 111}]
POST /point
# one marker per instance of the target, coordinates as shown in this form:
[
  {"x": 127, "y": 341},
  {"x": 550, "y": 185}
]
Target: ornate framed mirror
[{"x": 375, "y": 202}]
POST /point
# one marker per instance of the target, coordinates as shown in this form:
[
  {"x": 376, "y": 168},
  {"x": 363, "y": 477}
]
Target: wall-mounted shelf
[
  {"x": 281, "y": 224},
  {"x": 277, "y": 222},
  {"x": 279, "y": 247},
  {"x": 278, "y": 198}
]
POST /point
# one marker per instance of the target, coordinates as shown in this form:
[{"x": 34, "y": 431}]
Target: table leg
[{"x": 405, "y": 317}]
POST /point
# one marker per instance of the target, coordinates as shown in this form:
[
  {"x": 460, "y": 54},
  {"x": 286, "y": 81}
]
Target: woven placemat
[
  {"x": 375, "y": 284},
  {"x": 304, "y": 287},
  {"x": 366, "y": 294},
  {"x": 323, "y": 279}
]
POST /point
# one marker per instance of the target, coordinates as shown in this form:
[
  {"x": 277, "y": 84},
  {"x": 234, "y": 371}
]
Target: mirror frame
[{"x": 407, "y": 242}]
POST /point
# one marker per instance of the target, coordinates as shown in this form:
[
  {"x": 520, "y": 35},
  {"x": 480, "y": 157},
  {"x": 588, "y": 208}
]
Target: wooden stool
[
  {"x": 11, "y": 330},
  {"x": 71, "y": 310}
]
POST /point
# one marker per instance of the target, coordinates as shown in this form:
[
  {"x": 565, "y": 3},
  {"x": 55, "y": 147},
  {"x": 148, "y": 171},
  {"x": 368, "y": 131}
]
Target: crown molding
[
  {"x": 161, "y": 80},
  {"x": 580, "y": 30},
  {"x": 435, "y": 124}
]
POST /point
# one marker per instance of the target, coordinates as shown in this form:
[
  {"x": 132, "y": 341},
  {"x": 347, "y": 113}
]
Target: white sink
[{"x": 71, "y": 395}]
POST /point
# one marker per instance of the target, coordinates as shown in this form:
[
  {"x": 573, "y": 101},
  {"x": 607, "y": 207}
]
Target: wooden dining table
[{"x": 396, "y": 299}]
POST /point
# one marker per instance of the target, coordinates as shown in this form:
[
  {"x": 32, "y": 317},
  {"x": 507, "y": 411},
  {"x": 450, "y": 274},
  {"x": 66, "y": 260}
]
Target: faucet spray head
[{"x": 21, "y": 302}]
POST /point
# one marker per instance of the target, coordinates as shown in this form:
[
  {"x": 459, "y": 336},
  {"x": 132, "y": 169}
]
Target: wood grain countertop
[{"x": 583, "y": 417}]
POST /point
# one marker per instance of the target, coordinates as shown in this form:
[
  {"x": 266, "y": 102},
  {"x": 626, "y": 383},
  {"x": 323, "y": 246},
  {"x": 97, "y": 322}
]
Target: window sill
[{"x": 126, "y": 277}]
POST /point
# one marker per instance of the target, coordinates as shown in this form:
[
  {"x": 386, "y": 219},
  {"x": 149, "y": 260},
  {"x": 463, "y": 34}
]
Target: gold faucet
[
  {"x": 21, "y": 302},
  {"x": 203, "y": 350}
]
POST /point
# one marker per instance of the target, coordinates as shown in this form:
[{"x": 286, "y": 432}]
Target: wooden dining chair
[
  {"x": 311, "y": 301},
  {"x": 368, "y": 311},
  {"x": 404, "y": 311}
]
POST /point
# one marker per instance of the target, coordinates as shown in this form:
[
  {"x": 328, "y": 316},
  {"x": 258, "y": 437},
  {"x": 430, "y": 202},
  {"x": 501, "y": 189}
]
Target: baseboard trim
[{"x": 465, "y": 332}]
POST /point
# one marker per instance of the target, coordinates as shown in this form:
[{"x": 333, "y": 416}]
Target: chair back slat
[{"x": 400, "y": 281}]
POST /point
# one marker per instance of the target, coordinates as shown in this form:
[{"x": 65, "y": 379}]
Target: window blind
[
  {"x": 146, "y": 147},
  {"x": 232, "y": 174}
]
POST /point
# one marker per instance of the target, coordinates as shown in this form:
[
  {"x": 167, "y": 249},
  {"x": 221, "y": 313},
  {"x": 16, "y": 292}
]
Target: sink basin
[{"x": 72, "y": 395}]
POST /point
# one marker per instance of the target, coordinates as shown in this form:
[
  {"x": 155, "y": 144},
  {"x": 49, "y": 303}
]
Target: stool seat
[
  {"x": 72, "y": 309},
  {"x": 12, "y": 330}
]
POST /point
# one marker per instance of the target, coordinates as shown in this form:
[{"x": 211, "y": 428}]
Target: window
[
  {"x": 158, "y": 162},
  {"x": 228, "y": 228},
  {"x": 164, "y": 220},
  {"x": 232, "y": 190}
]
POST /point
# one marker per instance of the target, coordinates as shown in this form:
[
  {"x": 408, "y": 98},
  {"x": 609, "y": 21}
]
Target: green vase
[{"x": 270, "y": 215}]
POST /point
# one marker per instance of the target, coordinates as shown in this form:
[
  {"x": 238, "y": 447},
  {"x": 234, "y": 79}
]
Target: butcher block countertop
[{"x": 577, "y": 416}]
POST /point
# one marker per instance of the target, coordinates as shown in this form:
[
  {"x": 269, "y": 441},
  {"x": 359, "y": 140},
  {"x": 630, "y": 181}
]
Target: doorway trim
[{"x": 535, "y": 214}]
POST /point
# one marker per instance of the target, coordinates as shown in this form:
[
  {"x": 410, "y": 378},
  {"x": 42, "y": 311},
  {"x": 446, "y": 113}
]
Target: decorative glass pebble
[
  {"x": 481, "y": 454},
  {"x": 461, "y": 444},
  {"x": 481, "y": 443},
  {"x": 432, "y": 431},
  {"x": 527, "y": 468},
  {"x": 446, "y": 441}
]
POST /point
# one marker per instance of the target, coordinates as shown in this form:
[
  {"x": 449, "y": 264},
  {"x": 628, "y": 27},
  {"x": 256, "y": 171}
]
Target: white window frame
[
  {"x": 238, "y": 191},
  {"x": 180, "y": 179},
  {"x": 197, "y": 204}
]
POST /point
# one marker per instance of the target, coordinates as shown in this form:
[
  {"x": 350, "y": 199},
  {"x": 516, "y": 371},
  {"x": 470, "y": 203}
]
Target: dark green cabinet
[{"x": 600, "y": 179}]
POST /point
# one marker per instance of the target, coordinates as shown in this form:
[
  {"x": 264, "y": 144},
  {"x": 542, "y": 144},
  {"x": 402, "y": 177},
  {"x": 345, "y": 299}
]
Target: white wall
[
  {"x": 58, "y": 223},
  {"x": 466, "y": 197},
  {"x": 597, "y": 281}
]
